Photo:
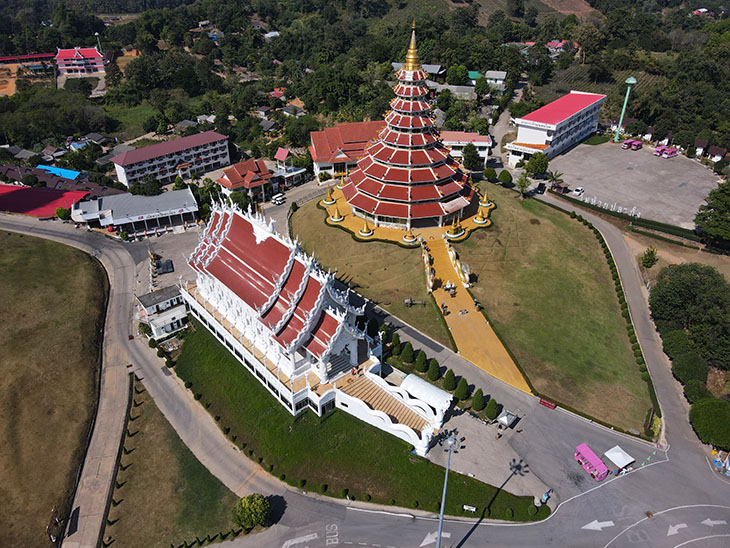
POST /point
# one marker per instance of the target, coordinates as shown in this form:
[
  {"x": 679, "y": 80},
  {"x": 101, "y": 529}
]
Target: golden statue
[{"x": 412, "y": 63}]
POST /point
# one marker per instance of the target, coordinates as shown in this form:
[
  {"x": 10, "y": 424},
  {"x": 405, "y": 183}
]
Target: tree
[
  {"x": 63, "y": 213},
  {"x": 505, "y": 177},
  {"x": 492, "y": 409},
  {"x": 689, "y": 366},
  {"x": 675, "y": 343},
  {"x": 113, "y": 75},
  {"x": 457, "y": 75},
  {"x": 649, "y": 258},
  {"x": 477, "y": 400},
  {"x": 31, "y": 180},
  {"x": 554, "y": 177},
  {"x": 710, "y": 418},
  {"x": 421, "y": 365},
  {"x": 516, "y": 8},
  {"x": 395, "y": 344},
  {"x": 482, "y": 88},
  {"x": 537, "y": 165},
  {"x": 695, "y": 298},
  {"x": 445, "y": 100},
  {"x": 462, "y": 390},
  {"x": 695, "y": 391},
  {"x": 490, "y": 174},
  {"x": 251, "y": 510},
  {"x": 637, "y": 127},
  {"x": 148, "y": 186},
  {"x": 523, "y": 183},
  {"x": 713, "y": 218},
  {"x": 179, "y": 183},
  {"x": 406, "y": 354},
  {"x": 434, "y": 371},
  {"x": 471, "y": 157},
  {"x": 589, "y": 39},
  {"x": 449, "y": 381}
]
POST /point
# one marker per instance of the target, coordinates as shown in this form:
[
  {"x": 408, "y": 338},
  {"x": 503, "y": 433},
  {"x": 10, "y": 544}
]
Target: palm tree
[
  {"x": 523, "y": 183},
  {"x": 555, "y": 177}
]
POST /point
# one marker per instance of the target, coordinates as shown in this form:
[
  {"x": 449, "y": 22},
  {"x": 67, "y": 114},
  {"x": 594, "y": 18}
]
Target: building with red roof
[
  {"x": 336, "y": 150},
  {"x": 251, "y": 176},
  {"x": 557, "y": 126},
  {"x": 407, "y": 176},
  {"x": 79, "y": 61},
  {"x": 185, "y": 156},
  {"x": 37, "y": 202},
  {"x": 285, "y": 320}
]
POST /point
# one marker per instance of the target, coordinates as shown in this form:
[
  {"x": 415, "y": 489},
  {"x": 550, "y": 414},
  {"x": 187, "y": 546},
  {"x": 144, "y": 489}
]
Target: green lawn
[
  {"x": 51, "y": 309},
  {"x": 597, "y": 140},
  {"x": 384, "y": 273},
  {"x": 546, "y": 286},
  {"x": 337, "y": 450},
  {"x": 130, "y": 119},
  {"x": 163, "y": 495}
]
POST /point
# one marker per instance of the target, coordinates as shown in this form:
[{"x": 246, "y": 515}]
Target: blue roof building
[{"x": 60, "y": 172}]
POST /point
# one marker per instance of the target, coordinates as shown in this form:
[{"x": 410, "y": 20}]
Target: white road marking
[
  {"x": 674, "y": 529},
  {"x": 431, "y": 537},
  {"x": 596, "y": 525},
  {"x": 694, "y": 540},
  {"x": 299, "y": 540},
  {"x": 712, "y": 523}
]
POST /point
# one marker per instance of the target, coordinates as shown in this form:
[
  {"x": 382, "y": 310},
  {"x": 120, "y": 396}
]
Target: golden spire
[
  {"x": 412, "y": 62},
  {"x": 480, "y": 215},
  {"x": 329, "y": 194},
  {"x": 365, "y": 227},
  {"x": 337, "y": 213}
]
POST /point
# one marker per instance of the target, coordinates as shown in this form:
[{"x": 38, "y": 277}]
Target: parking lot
[{"x": 667, "y": 190}]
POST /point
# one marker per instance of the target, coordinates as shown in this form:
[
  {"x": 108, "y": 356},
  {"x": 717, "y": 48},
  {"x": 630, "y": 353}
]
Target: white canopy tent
[
  {"x": 619, "y": 457},
  {"x": 506, "y": 418}
]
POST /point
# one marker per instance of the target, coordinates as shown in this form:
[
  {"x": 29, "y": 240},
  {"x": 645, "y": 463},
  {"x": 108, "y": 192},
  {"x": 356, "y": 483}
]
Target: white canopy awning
[
  {"x": 619, "y": 457},
  {"x": 506, "y": 418},
  {"x": 424, "y": 391}
]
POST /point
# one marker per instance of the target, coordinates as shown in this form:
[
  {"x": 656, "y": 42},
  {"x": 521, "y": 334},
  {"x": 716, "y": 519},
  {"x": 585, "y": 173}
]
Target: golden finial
[
  {"x": 365, "y": 227},
  {"x": 412, "y": 63},
  {"x": 329, "y": 194},
  {"x": 337, "y": 213},
  {"x": 480, "y": 215}
]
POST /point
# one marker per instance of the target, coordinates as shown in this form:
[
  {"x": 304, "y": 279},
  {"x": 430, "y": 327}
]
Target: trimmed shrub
[
  {"x": 676, "y": 342},
  {"x": 421, "y": 365},
  {"x": 344, "y": 492},
  {"x": 434, "y": 371},
  {"x": 695, "y": 391},
  {"x": 688, "y": 366},
  {"x": 414, "y": 504},
  {"x": 366, "y": 497},
  {"x": 406, "y": 354},
  {"x": 492, "y": 409},
  {"x": 151, "y": 343},
  {"x": 302, "y": 482},
  {"x": 572, "y": 215},
  {"x": 188, "y": 384},
  {"x": 490, "y": 174},
  {"x": 532, "y": 510},
  {"x": 477, "y": 400},
  {"x": 395, "y": 344},
  {"x": 323, "y": 488},
  {"x": 160, "y": 353},
  {"x": 462, "y": 390},
  {"x": 509, "y": 513},
  {"x": 449, "y": 381},
  {"x": 710, "y": 418}
]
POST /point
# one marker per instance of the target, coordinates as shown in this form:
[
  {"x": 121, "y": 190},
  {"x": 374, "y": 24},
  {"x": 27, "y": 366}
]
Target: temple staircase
[{"x": 360, "y": 387}]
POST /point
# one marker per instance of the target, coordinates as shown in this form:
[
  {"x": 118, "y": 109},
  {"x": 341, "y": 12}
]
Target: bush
[
  {"x": 406, "y": 354},
  {"x": 477, "y": 400},
  {"x": 695, "y": 391},
  {"x": 572, "y": 215},
  {"x": 152, "y": 343},
  {"x": 323, "y": 488},
  {"x": 294, "y": 207},
  {"x": 532, "y": 510},
  {"x": 490, "y": 174},
  {"x": 505, "y": 177},
  {"x": 63, "y": 213},
  {"x": 366, "y": 497},
  {"x": 302, "y": 482},
  {"x": 449, "y": 381},
  {"x": 251, "y": 511},
  {"x": 421, "y": 365},
  {"x": 434, "y": 371},
  {"x": 509, "y": 513},
  {"x": 395, "y": 344},
  {"x": 689, "y": 366},
  {"x": 160, "y": 353},
  {"x": 676, "y": 342},
  {"x": 188, "y": 384},
  {"x": 124, "y": 236},
  {"x": 462, "y": 390},
  {"x": 492, "y": 409},
  {"x": 710, "y": 418},
  {"x": 649, "y": 258},
  {"x": 343, "y": 492}
]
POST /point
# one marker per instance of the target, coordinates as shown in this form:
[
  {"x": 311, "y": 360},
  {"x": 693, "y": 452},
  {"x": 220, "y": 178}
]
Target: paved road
[{"x": 677, "y": 487}]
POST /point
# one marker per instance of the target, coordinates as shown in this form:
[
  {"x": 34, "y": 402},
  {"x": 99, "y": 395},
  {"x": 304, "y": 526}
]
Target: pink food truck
[{"x": 590, "y": 462}]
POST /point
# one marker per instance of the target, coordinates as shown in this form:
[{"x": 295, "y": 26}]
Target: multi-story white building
[
  {"x": 77, "y": 61},
  {"x": 457, "y": 140},
  {"x": 283, "y": 318},
  {"x": 557, "y": 126},
  {"x": 185, "y": 157},
  {"x": 163, "y": 310}
]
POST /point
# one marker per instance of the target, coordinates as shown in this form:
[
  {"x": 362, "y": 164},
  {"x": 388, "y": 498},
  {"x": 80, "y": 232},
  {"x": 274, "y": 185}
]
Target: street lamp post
[
  {"x": 452, "y": 444},
  {"x": 630, "y": 81},
  {"x": 98, "y": 41}
]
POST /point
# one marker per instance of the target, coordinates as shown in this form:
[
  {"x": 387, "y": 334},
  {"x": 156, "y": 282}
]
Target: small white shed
[{"x": 619, "y": 457}]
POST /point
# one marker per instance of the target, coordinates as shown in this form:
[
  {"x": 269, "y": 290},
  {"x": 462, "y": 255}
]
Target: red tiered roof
[
  {"x": 407, "y": 173},
  {"x": 249, "y": 264},
  {"x": 249, "y": 174}
]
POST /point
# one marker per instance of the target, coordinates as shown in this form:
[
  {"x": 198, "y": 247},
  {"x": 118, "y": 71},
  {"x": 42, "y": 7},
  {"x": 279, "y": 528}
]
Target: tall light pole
[
  {"x": 98, "y": 41},
  {"x": 630, "y": 81},
  {"x": 452, "y": 446}
]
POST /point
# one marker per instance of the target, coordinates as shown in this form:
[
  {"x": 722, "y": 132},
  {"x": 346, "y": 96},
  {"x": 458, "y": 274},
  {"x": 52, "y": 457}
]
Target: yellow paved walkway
[{"x": 473, "y": 335}]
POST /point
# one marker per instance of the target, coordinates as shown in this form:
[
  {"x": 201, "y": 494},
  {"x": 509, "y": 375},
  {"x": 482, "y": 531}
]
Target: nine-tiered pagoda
[{"x": 407, "y": 176}]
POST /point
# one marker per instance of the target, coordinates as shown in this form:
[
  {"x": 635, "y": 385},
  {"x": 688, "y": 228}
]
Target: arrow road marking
[
  {"x": 431, "y": 537},
  {"x": 596, "y": 525},
  {"x": 712, "y": 523},
  {"x": 674, "y": 529},
  {"x": 299, "y": 540}
]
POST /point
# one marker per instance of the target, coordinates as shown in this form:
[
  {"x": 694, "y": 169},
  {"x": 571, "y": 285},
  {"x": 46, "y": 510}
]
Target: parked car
[
  {"x": 578, "y": 191},
  {"x": 540, "y": 189}
]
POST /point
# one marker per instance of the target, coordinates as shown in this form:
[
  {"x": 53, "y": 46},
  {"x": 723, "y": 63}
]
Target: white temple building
[{"x": 283, "y": 318}]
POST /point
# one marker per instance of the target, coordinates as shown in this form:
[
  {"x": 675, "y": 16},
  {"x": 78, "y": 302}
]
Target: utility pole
[
  {"x": 452, "y": 444},
  {"x": 630, "y": 81}
]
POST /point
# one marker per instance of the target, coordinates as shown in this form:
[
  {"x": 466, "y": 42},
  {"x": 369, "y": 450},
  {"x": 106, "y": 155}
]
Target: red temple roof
[{"x": 249, "y": 174}]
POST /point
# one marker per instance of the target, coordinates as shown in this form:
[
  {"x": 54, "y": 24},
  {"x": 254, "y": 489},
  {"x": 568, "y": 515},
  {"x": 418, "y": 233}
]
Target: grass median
[
  {"x": 51, "y": 314},
  {"x": 336, "y": 454}
]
